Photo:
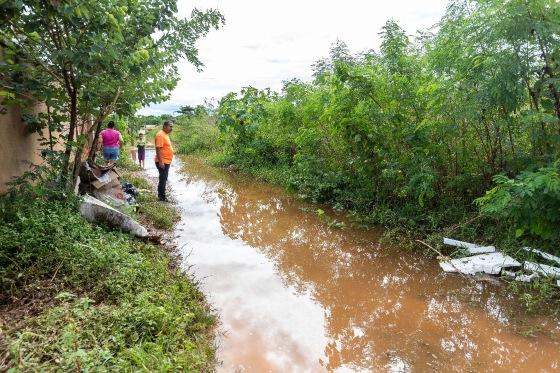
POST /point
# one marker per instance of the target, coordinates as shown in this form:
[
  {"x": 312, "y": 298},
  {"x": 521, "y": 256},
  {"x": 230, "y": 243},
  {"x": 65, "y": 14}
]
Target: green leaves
[
  {"x": 132, "y": 312},
  {"x": 531, "y": 201},
  {"x": 90, "y": 58},
  {"x": 423, "y": 125}
]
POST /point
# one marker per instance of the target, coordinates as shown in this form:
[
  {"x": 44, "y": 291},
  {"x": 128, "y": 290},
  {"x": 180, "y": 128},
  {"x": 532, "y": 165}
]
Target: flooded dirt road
[{"x": 294, "y": 295}]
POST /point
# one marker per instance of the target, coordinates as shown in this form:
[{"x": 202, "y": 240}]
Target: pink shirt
[{"x": 110, "y": 138}]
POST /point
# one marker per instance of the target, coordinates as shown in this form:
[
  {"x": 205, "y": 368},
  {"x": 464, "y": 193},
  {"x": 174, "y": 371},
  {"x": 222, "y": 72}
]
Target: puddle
[{"x": 296, "y": 296}]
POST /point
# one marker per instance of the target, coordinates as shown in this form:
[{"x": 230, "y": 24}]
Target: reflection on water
[{"x": 295, "y": 296}]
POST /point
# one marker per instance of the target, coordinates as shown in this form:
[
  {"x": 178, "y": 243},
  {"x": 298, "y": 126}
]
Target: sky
[{"x": 265, "y": 42}]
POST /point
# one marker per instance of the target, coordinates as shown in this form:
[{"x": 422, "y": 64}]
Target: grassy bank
[
  {"x": 150, "y": 210},
  {"x": 80, "y": 297}
]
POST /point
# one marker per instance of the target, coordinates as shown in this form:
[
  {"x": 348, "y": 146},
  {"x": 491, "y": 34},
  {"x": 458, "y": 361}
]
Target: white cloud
[{"x": 265, "y": 42}]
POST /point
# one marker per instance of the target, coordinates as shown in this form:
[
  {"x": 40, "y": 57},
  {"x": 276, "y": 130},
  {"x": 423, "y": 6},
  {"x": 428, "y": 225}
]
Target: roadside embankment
[{"x": 74, "y": 296}]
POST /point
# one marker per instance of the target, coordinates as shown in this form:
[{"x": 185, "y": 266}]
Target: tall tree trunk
[
  {"x": 71, "y": 132},
  {"x": 49, "y": 126},
  {"x": 94, "y": 142}
]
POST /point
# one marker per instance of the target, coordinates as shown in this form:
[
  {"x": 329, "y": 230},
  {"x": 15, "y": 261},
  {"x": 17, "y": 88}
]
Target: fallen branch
[
  {"x": 430, "y": 247},
  {"x": 443, "y": 257},
  {"x": 56, "y": 272}
]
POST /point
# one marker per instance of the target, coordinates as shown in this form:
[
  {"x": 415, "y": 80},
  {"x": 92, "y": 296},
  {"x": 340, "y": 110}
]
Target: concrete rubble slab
[
  {"x": 491, "y": 263},
  {"x": 95, "y": 211},
  {"x": 543, "y": 269},
  {"x": 471, "y": 248},
  {"x": 546, "y": 256}
]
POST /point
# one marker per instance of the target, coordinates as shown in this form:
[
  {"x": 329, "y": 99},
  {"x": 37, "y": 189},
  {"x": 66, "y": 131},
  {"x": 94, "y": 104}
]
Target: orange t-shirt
[{"x": 165, "y": 148}]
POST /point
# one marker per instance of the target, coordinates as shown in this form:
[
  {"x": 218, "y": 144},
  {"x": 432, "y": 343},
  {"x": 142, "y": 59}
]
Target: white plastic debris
[
  {"x": 547, "y": 256},
  {"x": 485, "y": 263},
  {"x": 542, "y": 269},
  {"x": 527, "y": 278},
  {"x": 95, "y": 211},
  {"x": 520, "y": 277},
  {"x": 481, "y": 250},
  {"x": 508, "y": 273},
  {"x": 470, "y": 247}
]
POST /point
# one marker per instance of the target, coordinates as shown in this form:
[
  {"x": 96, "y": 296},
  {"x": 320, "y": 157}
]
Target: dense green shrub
[
  {"x": 196, "y": 134},
  {"x": 531, "y": 202},
  {"x": 413, "y": 133}
]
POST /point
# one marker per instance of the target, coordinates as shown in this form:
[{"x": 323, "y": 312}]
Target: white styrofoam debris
[
  {"x": 470, "y": 247},
  {"x": 481, "y": 250},
  {"x": 527, "y": 278},
  {"x": 456, "y": 243},
  {"x": 520, "y": 277},
  {"x": 485, "y": 263},
  {"x": 508, "y": 273},
  {"x": 543, "y": 254},
  {"x": 95, "y": 211},
  {"x": 558, "y": 283},
  {"x": 543, "y": 269}
]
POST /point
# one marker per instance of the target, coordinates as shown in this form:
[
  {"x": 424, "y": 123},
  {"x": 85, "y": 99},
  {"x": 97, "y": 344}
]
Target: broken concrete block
[
  {"x": 471, "y": 248},
  {"x": 485, "y": 263},
  {"x": 95, "y": 211},
  {"x": 546, "y": 256},
  {"x": 543, "y": 269}
]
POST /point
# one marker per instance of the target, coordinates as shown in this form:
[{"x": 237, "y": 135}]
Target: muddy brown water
[{"x": 294, "y": 295}]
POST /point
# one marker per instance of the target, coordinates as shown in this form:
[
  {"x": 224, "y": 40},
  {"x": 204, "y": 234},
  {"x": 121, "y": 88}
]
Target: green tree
[
  {"x": 186, "y": 110},
  {"x": 413, "y": 133},
  {"x": 96, "y": 57}
]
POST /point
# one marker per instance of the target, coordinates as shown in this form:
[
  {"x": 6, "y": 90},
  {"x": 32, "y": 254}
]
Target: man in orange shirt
[{"x": 164, "y": 156}]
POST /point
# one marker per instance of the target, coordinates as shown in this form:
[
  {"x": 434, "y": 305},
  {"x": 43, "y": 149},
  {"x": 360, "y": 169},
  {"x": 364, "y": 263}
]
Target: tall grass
[{"x": 109, "y": 302}]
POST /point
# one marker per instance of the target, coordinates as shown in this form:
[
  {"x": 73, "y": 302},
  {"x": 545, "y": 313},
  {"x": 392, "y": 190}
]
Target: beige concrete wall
[{"x": 17, "y": 147}]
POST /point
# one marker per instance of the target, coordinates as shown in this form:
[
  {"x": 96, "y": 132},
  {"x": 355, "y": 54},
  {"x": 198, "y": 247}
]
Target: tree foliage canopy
[
  {"x": 423, "y": 124},
  {"x": 86, "y": 59}
]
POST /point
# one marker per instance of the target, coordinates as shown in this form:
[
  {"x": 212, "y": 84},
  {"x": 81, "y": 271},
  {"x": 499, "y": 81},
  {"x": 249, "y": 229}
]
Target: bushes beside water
[{"x": 411, "y": 135}]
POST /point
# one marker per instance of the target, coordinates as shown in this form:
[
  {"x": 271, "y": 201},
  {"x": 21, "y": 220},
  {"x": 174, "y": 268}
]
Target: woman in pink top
[{"x": 112, "y": 140}]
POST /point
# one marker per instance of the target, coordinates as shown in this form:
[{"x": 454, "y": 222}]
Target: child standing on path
[{"x": 141, "y": 149}]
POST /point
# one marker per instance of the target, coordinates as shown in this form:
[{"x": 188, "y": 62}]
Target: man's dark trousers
[{"x": 163, "y": 173}]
